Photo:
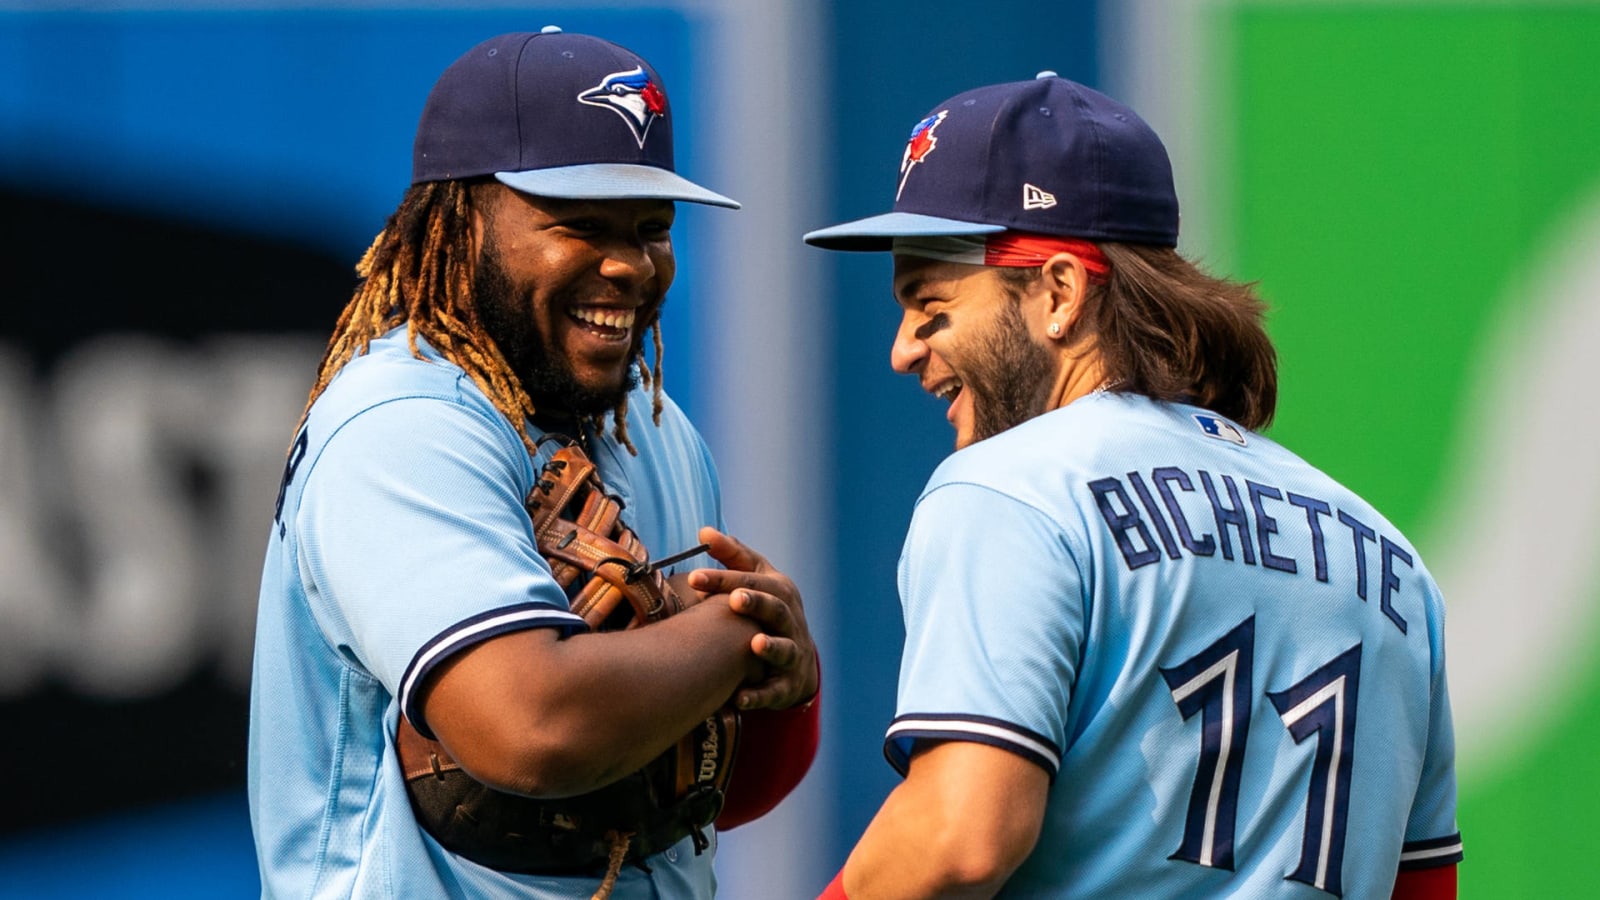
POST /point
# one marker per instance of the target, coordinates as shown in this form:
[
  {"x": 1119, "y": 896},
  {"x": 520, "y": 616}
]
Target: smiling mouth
[
  {"x": 612, "y": 324},
  {"x": 947, "y": 390}
]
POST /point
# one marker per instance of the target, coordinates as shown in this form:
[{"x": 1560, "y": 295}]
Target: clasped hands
[{"x": 755, "y": 589}]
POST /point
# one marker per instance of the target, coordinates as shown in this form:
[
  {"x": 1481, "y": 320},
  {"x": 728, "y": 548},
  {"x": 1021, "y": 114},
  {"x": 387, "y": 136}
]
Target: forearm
[
  {"x": 631, "y": 694},
  {"x": 532, "y": 714},
  {"x": 880, "y": 868},
  {"x": 967, "y": 845}
]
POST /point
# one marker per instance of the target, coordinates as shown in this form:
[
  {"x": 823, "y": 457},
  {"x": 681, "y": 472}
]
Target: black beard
[
  {"x": 544, "y": 373},
  {"x": 1010, "y": 383}
]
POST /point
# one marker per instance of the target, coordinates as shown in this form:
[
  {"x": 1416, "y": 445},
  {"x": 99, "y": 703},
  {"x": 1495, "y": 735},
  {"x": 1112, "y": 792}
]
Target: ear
[{"x": 1067, "y": 282}]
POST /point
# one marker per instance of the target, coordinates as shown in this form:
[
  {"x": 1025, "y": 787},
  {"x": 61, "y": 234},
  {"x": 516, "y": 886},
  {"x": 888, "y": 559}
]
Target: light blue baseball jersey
[
  {"x": 399, "y": 539},
  {"x": 1231, "y": 666}
]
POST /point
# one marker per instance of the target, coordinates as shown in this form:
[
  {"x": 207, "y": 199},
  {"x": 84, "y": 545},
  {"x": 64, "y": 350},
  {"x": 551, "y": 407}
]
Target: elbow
[
  {"x": 972, "y": 872},
  {"x": 978, "y": 866}
]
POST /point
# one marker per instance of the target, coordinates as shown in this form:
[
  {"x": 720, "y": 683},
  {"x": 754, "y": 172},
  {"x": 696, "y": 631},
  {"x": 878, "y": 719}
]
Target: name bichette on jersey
[{"x": 1143, "y": 511}]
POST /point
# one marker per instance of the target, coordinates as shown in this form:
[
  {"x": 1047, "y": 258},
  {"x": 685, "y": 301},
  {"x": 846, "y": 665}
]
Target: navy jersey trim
[
  {"x": 471, "y": 631},
  {"x": 907, "y": 729},
  {"x": 1445, "y": 851}
]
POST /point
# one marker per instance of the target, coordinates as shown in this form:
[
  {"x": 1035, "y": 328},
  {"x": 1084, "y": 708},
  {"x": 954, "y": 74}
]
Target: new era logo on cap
[{"x": 1037, "y": 198}]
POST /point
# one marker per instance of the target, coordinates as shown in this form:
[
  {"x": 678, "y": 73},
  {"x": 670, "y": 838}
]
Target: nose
[
  {"x": 628, "y": 262},
  {"x": 909, "y": 352}
]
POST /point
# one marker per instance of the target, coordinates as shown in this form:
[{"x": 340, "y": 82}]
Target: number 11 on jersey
[{"x": 1217, "y": 684}]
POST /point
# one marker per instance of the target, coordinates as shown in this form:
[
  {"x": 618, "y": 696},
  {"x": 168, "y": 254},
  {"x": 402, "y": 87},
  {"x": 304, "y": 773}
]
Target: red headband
[{"x": 1017, "y": 249}]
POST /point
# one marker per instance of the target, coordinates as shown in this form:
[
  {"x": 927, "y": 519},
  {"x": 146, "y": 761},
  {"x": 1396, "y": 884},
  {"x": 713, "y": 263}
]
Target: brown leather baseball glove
[{"x": 612, "y": 584}]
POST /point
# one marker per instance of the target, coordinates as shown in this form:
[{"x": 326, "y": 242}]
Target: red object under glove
[{"x": 776, "y": 747}]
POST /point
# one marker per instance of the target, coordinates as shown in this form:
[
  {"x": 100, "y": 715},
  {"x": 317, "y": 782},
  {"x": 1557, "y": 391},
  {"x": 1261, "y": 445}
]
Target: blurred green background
[{"x": 1404, "y": 179}]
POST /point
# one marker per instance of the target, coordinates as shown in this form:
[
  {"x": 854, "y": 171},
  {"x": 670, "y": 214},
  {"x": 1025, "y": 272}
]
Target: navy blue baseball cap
[
  {"x": 1045, "y": 156},
  {"x": 557, "y": 115}
]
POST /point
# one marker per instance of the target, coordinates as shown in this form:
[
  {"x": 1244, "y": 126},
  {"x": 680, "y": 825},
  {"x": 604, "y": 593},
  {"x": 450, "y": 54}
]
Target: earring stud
[{"x": 1055, "y": 329}]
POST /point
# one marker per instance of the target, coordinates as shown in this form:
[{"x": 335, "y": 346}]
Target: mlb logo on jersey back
[{"x": 1221, "y": 429}]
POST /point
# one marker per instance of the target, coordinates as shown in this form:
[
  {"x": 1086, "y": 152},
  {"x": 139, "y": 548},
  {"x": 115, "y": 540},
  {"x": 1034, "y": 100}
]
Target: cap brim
[
  {"x": 879, "y": 232},
  {"x": 612, "y": 181}
]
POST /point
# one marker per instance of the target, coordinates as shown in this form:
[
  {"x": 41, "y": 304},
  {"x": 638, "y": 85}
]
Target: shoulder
[
  {"x": 411, "y": 413},
  {"x": 1054, "y": 461},
  {"x": 389, "y": 373},
  {"x": 1084, "y": 436}
]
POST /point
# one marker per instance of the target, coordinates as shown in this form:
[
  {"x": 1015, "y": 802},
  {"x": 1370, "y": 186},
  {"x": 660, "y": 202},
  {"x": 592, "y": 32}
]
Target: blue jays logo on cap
[
  {"x": 1221, "y": 429},
  {"x": 631, "y": 95},
  {"x": 919, "y": 145}
]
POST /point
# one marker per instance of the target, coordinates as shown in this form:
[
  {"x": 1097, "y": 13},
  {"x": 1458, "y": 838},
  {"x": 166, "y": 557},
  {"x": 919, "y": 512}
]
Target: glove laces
[{"x": 619, "y": 852}]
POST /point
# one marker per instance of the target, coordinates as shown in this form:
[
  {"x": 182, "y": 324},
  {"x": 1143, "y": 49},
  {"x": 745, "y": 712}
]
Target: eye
[
  {"x": 936, "y": 323},
  {"x": 583, "y": 225}
]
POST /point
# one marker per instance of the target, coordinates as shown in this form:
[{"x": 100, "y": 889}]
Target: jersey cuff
[
  {"x": 1445, "y": 851},
  {"x": 906, "y": 730},
  {"x": 470, "y": 631}
]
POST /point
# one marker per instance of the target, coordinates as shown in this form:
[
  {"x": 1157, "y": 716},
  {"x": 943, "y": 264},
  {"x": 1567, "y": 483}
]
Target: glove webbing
[{"x": 595, "y": 541}]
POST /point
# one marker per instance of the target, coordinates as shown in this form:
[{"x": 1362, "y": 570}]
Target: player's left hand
[{"x": 765, "y": 595}]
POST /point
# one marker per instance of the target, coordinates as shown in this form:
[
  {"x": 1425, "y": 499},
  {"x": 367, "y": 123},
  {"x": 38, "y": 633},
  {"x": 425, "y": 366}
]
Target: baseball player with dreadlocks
[
  {"x": 1149, "y": 652},
  {"x": 405, "y": 591}
]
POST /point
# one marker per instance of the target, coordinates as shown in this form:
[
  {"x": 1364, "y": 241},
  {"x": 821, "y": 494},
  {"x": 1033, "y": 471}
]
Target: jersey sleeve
[
  {"x": 415, "y": 544},
  {"x": 1432, "y": 838},
  {"x": 995, "y": 616}
]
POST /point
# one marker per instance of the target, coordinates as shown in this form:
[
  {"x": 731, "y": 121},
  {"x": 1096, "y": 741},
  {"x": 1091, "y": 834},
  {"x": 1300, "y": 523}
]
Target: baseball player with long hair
[
  {"x": 405, "y": 590},
  {"x": 1149, "y": 652}
]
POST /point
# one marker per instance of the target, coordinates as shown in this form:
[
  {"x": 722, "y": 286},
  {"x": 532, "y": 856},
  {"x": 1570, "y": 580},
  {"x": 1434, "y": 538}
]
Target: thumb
[{"x": 730, "y": 551}]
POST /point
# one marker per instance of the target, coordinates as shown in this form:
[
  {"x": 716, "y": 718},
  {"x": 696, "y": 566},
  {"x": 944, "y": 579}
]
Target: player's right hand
[{"x": 758, "y": 591}]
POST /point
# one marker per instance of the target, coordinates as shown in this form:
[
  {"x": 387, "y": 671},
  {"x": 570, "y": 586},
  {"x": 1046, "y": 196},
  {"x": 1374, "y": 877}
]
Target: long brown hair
[
  {"x": 419, "y": 273},
  {"x": 1168, "y": 330}
]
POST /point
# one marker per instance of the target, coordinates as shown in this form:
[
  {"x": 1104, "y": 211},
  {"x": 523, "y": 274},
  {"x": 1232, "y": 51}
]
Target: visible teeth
[
  {"x": 948, "y": 391},
  {"x": 609, "y": 318}
]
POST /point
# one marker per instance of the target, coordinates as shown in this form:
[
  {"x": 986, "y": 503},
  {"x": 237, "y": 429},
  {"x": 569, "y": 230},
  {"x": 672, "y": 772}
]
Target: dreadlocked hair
[{"x": 419, "y": 273}]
